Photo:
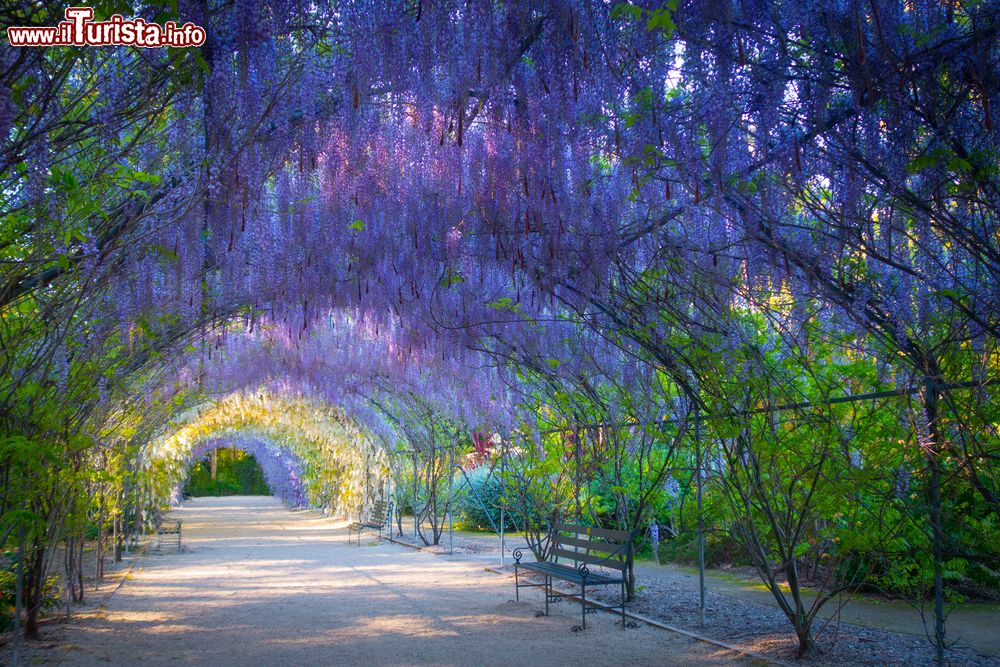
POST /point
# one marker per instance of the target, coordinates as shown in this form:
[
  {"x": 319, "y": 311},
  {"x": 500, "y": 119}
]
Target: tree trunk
[
  {"x": 18, "y": 598},
  {"x": 69, "y": 569},
  {"x": 805, "y": 639},
  {"x": 802, "y": 622},
  {"x": 99, "y": 552},
  {"x": 932, "y": 451},
  {"x": 34, "y": 589},
  {"x": 630, "y": 579},
  {"x": 116, "y": 539},
  {"x": 78, "y": 565}
]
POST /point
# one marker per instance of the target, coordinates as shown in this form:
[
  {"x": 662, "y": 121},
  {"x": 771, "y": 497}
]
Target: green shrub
[
  {"x": 468, "y": 509},
  {"x": 237, "y": 474},
  {"x": 720, "y": 550},
  {"x": 8, "y": 592}
]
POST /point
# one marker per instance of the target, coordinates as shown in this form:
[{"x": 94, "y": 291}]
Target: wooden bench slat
[
  {"x": 592, "y": 545},
  {"x": 170, "y": 529},
  {"x": 591, "y": 559},
  {"x": 593, "y": 531},
  {"x": 570, "y": 574},
  {"x": 376, "y": 520},
  {"x": 580, "y": 546}
]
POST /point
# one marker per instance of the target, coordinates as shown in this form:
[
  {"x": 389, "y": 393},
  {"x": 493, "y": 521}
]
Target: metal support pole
[
  {"x": 503, "y": 489},
  {"x": 701, "y": 525},
  {"x": 98, "y": 549},
  {"x": 390, "y": 496},
  {"x": 126, "y": 512},
  {"x": 576, "y": 481},
  {"x": 451, "y": 523},
  {"x": 136, "y": 516},
  {"x": 414, "y": 497}
]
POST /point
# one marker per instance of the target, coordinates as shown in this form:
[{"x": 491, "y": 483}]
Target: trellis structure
[{"x": 461, "y": 209}]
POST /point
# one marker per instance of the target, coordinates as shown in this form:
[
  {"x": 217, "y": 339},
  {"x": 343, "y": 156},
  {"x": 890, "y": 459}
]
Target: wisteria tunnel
[{"x": 684, "y": 311}]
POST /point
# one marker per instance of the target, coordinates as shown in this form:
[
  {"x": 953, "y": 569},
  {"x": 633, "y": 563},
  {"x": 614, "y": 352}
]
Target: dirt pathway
[{"x": 261, "y": 585}]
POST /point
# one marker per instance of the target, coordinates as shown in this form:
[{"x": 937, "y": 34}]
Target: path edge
[{"x": 630, "y": 614}]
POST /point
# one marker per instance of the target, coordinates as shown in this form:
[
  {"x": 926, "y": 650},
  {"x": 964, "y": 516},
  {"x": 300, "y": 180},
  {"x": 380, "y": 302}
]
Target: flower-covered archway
[
  {"x": 311, "y": 453},
  {"x": 282, "y": 468},
  {"x": 487, "y": 213}
]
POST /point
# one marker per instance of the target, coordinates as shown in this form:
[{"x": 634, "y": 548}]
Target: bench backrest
[
  {"x": 160, "y": 521},
  {"x": 377, "y": 513},
  {"x": 591, "y": 545},
  {"x": 168, "y": 527}
]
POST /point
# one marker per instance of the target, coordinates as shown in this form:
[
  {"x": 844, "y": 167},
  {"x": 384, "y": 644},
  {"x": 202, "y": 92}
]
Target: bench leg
[
  {"x": 623, "y": 605},
  {"x": 517, "y": 585},
  {"x": 548, "y": 592},
  {"x": 583, "y": 604}
]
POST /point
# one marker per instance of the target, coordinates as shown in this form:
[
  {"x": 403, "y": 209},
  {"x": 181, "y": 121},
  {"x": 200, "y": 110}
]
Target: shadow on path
[{"x": 259, "y": 584}]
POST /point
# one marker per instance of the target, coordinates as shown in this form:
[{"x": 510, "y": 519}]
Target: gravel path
[
  {"x": 764, "y": 629},
  {"x": 261, "y": 585},
  {"x": 671, "y": 596}
]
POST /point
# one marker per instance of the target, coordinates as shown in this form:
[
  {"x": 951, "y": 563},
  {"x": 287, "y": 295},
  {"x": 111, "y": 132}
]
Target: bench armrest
[
  {"x": 518, "y": 554},
  {"x": 620, "y": 551}
]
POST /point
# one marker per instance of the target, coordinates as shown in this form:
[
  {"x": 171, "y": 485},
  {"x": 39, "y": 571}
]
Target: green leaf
[
  {"x": 143, "y": 177},
  {"x": 960, "y": 165},
  {"x": 626, "y": 10},
  {"x": 164, "y": 252},
  {"x": 661, "y": 19},
  {"x": 357, "y": 226},
  {"x": 202, "y": 63},
  {"x": 921, "y": 163}
]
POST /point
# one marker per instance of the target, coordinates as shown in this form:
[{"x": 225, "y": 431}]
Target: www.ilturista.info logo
[{"x": 80, "y": 29}]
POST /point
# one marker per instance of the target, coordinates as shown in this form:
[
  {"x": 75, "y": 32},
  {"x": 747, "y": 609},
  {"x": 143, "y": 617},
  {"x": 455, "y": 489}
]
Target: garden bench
[
  {"x": 169, "y": 530},
  {"x": 573, "y": 551},
  {"x": 376, "y": 521}
]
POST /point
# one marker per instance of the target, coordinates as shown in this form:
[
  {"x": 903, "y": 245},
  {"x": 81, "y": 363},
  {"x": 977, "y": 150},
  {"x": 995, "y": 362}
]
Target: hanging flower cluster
[{"x": 476, "y": 203}]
